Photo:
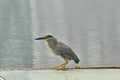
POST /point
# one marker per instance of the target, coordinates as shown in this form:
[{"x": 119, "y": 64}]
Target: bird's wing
[{"x": 66, "y": 52}]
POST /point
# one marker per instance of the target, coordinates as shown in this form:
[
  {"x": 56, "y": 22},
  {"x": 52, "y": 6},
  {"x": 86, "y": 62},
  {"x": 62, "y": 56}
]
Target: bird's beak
[{"x": 40, "y": 38}]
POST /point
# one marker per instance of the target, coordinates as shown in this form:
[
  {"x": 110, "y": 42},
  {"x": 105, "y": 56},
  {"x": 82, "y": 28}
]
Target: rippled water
[{"x": 90, "y": 28}]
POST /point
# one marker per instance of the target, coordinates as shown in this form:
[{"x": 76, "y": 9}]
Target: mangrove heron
[{"x": 60, "y": 49}]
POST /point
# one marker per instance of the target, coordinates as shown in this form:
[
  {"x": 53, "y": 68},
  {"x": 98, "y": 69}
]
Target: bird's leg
[
  {"x": 65, "y": 63},
  {"x": 62, "y": 66}
]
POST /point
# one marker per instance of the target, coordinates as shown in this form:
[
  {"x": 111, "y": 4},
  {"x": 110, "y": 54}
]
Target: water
[{"x": 90, "y": 28}]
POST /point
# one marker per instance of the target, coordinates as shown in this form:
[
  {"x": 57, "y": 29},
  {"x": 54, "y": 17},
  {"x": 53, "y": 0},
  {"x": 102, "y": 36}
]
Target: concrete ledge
[
  {"x": 76, "y": 68},
  {"x": 53, "y": 74}
]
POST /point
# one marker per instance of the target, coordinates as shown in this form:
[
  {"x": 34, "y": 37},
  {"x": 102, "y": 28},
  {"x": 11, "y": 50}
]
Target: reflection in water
[{"x": 90, "y": 28}]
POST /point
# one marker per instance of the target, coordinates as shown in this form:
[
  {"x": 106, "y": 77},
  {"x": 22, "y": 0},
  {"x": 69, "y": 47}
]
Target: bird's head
[{"x": 45, "y": 37}]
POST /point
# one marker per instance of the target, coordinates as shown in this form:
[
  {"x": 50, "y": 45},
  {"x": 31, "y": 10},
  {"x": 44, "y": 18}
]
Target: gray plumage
[
  {"x": 60, "y": 48},
  {"x": 66, "y": 52}
]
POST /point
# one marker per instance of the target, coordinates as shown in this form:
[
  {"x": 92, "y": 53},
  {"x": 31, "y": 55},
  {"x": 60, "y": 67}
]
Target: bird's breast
[{"x": 53, "y": 50}]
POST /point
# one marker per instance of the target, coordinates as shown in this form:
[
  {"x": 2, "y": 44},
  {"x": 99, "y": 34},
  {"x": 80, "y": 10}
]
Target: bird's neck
[{"x": 52, "y": 43}]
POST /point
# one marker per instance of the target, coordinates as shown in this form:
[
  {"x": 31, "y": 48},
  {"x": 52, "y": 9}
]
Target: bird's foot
[{"x": 61, "y": 67}]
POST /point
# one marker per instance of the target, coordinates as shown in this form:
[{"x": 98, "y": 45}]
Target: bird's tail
[{"x": 76, "y": 59}]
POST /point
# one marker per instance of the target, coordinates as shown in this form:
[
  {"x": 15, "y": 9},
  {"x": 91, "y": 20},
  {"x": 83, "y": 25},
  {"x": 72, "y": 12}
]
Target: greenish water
[{"x": 96, "y": 74}]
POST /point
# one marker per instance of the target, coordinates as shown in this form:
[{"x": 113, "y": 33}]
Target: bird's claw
[{"x": 60, "y": 67}]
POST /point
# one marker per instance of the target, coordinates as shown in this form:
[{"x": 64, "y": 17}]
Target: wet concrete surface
[{"x": 70, "y": 74}]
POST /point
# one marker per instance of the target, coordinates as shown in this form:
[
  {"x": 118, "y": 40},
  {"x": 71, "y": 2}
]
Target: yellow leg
[{"x": 62, "y": 66}]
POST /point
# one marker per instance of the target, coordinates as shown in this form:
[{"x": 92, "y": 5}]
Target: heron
[{"x": 60, "y": 49}]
